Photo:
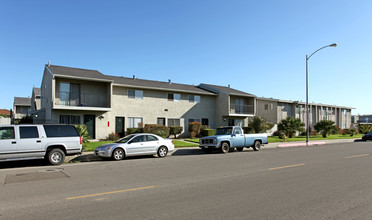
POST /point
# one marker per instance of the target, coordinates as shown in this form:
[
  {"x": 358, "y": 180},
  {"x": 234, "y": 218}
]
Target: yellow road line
[
  {"x": 295, "y": 165},
  {"x": 361, "y": 155},
  {"x": 106, "y": 193}
]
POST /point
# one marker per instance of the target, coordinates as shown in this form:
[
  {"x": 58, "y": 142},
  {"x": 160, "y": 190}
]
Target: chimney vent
[
  {"x": 48, "y": 63},
  {"x": 134, "y": 76},
  {"x": 169, "y": 81}
]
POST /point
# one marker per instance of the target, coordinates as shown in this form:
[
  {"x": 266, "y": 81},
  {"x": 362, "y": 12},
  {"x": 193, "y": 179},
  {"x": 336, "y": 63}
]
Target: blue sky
[{"x": 255, "y": 46}]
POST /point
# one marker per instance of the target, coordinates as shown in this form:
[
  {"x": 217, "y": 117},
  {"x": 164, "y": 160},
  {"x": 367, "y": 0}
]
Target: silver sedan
[{"x": 136, "y": 145}]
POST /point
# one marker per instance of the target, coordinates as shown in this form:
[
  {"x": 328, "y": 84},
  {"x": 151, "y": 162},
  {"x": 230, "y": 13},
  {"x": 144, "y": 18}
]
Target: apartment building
[
  {"x": 274, "y": 110},
  {"x": 21, "y": 107},
  {"x": 108, "y": 104}
]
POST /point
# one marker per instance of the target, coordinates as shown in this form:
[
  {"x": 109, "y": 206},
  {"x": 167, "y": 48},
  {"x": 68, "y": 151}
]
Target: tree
[
  {"x": 365, "y": 128},
  {"x": 260, "y": 125},
  {"x": 325, "y": 127},
  {"x": 290, "y": 126},
  {"x": 82, "y": 129}
]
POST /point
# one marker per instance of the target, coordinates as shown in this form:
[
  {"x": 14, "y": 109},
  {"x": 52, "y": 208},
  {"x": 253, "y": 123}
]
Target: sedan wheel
[
  {"x": 118, "y": 154},
  {"x": 162, "y": 151}
]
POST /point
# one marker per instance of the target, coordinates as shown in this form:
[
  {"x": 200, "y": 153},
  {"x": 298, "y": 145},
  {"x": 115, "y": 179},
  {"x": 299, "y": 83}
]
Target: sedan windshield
[
  {"x": 224, "y": 131},
  {"x": 125, "y": 139}
]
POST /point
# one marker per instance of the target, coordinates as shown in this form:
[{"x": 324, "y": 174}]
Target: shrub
[
  {"x": 260, "y": 125},
  {"x": 82, "y": 129},
  {"x": 175, "y": 130},
  {"x": 113, "y": 137},
  {"x": 208, "y": 132},
  {"x": 325, "y": 127},
  {"x": 282, "y": 136},
  {"x": 194, "y": 129},
  {"x": 290, "y": 126},
  {"x": 364, "y": 128},
  {"x": 134, "y": 130},
  {"x": 345, "y": 131},
  {"x": 24, "y": 120},
  {"x": 248, "y": 130},
  {"x": 353, "y": 132},
  {"x": 160, "y": 130}
]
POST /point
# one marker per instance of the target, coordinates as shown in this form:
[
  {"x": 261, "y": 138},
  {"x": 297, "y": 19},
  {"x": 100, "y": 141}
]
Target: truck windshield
[{"x": 223, "y": 131}]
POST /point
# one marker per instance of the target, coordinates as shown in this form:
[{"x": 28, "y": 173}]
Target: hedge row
[{"x": 161, "y": 130}]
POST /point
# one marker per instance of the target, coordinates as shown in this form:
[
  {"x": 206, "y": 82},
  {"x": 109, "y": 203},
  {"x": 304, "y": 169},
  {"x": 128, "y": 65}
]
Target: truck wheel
[
  {"x": 118, "y": 154},
  {"x": 162, "y": 151},
  {"x": 56, "y": 156},
  {"x": 225, "y": 148},
  {"x": 257, "y": 146},
  {"x": 240, "y": 149}
]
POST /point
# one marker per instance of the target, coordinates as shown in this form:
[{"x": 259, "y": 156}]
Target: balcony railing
[
  {"x": 81, "y": 99},
  {"x": 242, "y": 109}
]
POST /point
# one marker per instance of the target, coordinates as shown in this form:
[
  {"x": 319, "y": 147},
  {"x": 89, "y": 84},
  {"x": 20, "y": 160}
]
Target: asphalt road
[{"x": 319, "y": 182}]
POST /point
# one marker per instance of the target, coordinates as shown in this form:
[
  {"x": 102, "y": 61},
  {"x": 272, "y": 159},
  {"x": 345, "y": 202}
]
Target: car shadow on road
[
  {"x": 194, "y": 151},
  {"x": 23, "y": 163}
]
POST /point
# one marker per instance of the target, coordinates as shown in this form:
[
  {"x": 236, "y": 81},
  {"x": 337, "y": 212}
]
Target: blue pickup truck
[{"x": 228, "y": 138}]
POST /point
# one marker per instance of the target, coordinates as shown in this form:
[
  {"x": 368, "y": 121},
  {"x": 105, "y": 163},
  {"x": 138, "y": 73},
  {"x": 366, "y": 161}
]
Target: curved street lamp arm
[{"x": 331, "y": 45}]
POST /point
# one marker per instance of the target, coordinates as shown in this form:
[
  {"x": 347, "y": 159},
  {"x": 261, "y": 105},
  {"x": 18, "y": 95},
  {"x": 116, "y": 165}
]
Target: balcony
[
  {"x": 81, "y": 101},
  {"x": 241, "y": 109}
]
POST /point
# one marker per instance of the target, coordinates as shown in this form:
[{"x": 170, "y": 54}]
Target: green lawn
[
  {"x": 91, "y": 146},
  {"x": 274, "y": 139}
]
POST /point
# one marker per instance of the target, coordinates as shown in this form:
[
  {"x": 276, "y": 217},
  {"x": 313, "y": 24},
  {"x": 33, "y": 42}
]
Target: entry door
[
  {"x": 119, "y": 126},
  {"x": 90, "y": 122}
]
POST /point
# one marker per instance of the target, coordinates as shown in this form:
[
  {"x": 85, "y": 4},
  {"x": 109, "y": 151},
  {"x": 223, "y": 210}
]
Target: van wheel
[
  {"x": 257, "y": 146},
  {"x": 56, "y": 156},
  {"x": 240, "y": 149},
  {"x": 225, "y": 148}
]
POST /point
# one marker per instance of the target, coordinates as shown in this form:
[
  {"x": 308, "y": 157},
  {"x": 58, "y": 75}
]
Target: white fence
[{"x": 4, "y": 121}]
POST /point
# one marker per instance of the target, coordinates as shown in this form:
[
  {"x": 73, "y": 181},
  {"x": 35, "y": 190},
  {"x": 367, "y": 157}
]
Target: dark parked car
[{"x": 367, "y": 136}]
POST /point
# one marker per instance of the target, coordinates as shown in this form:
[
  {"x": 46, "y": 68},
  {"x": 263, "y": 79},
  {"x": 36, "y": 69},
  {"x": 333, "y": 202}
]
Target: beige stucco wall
[
  {"x": 269, "y": 114},
  {"x": 155, "y": 105}
]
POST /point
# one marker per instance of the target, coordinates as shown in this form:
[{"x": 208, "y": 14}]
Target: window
[
  {"x": 174, "y": 122},
  {"x": 69, "y": 94},
  {"x": 268, "y": 106},
  {"x": 205, "y": 121},
  {"x": 138, "y": 139},
  {"x": 194, "y": 98},
  {"x": 174, "y": 97},
  {"x": 151, "y": 138},
  {"x": 28, "y": 132},
  {"x": 238, "y": 131},
  {"x": 134, "y": 122},
  {"x": 61, "y": 131},
  {"x": 135, "y": 94},
  {"x": 6, "y": 133},
  {"x": 69, "y": 119},
  {"x": 194, "y": 120},
  {"x": 161, "y": 121}
]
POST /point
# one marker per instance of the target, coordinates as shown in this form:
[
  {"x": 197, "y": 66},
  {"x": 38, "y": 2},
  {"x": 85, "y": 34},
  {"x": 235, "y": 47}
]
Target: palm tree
[
  {"x": 325, "y": 127},
  {"x": 82, "y": 129},
  {"x": 290, "y": 126}
]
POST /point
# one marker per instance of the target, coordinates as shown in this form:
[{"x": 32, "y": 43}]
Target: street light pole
[{"x": 307, "y": 89}]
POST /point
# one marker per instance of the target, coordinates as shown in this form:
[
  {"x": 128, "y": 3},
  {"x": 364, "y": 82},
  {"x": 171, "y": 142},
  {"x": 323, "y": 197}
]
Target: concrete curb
[{"x": 89, "y": 156}]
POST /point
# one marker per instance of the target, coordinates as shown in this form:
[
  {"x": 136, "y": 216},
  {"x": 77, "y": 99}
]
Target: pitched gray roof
[
  {"x": 75, "y": 72},
  {"x": 22, "y": 101},
  {"x": 36, "y": 91},
  {"x": 125, "y": 81},
  {"x": 224, "y": 89}
]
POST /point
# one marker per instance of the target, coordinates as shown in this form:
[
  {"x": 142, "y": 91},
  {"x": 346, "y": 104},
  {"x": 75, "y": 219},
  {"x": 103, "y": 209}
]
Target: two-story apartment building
[
  {"x": 21, "y": 107},
  {"x": 108, "y": 104},
  {"x": 274, "y": 110}
]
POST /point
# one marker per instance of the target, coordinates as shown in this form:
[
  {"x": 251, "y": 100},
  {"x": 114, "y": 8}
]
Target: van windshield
[{"x": 224, "y": 131}]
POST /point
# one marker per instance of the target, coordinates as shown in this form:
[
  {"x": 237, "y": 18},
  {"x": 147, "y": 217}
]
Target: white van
[{"x": 52, "y": 142}]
